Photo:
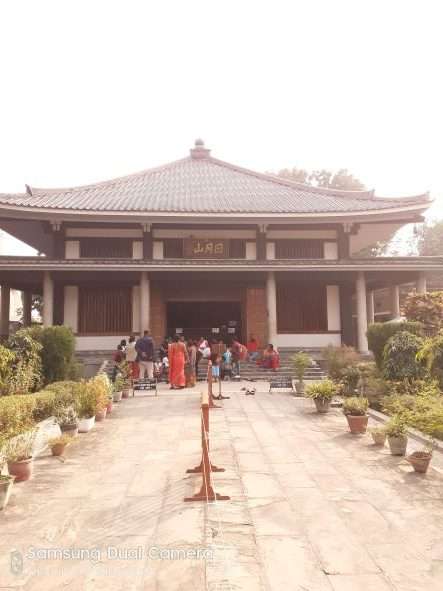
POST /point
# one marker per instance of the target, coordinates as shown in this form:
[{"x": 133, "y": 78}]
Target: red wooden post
[{"x": 206, "y": 492}]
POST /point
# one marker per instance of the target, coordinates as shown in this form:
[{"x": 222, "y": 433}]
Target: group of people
[{"x": 177, "y": 360}]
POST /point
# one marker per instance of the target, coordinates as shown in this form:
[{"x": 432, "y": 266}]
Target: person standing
[
  {"x": 145, "y": 355},
  {"x": 178, "y": 356},
  {"x": 131, "y": 358},
  {"x": 235, "y": 356},
  {"x": 190, "y": 368}
]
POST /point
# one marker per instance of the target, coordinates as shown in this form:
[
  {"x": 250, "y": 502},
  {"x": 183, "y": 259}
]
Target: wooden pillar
[
  {"x": 145, "y": 302},
  {"x": 371, "y": 307},
  {"x": 58, "y": 240},
  {"x": 343, "y": 243},
  {"x": 421, "y": 283},
  {"x": 5, "y": 295},
  {"x": 147, "y": 241},
  {"x": 362, "y": 318},
  {"x": 48, "y": 299},
  {"x": 271, "y": 300},
  {"x": 261, "y": 243},
  {"x": 395, "y": 301},
  {"x": 347, "y": 327},
  {"x": 27, "y": 307}
]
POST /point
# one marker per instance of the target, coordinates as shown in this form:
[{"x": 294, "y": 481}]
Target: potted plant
[
  {"x": 301, "y": 361},
  {"x": 86, "y": 400},
  {"x": 350, "y": 377},
  {"x": 118, "y": 388},
  {"x": 67, "y": 420},
  {"x": 378, "y": 435},
  {"x": 397, "y": 432},
  {"x": 125, "y": 371},
  {"x": 59, "y": 444},
  {"x": 109, "y": 405},
  {"x": 420, "y": 460},
  {"x": 6, "y": 482},
  {"x": 18, "y": 453},
  {"x": 322, "y": 393},
  {"x": 355, "y": 409}
]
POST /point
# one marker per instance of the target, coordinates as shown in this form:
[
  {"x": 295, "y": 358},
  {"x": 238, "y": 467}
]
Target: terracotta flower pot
[
  {"x": 86, "y": 425},
  {"x": 22, "y": 470},
  {"x": 125, "y": 393},
  {"x": 379, "y": 438},
  {"x": 100, "y": 415},
  {"x": 70, "y": 430},
  {"x": 5, "y": 490},
  {"x": 109, "y": 407},
  {"x": 117, "y": 396},
  {"x": 58, "y": 449},
  {"x": 398, "y": 445},
  {"x": 357, "y": 423},
  {"x": 322, "y": 405},
  {"x": 420, "y": 461}
]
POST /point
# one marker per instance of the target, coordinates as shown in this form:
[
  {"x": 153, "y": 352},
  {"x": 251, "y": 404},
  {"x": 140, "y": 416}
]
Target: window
[
  {"x": 298, "y": 249},
  {"x": 173, "y": 248},
  {"x": 106, "y": 248},
  {"x": 301, "y": 307},
  {"x": 105, "y": 310}
]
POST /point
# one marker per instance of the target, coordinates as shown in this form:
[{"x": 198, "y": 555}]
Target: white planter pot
[{"x": 86, "y": 425}]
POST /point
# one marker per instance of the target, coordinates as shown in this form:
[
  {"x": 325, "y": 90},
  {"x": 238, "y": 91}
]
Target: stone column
[
  {"x": 395, "y": 301},
  {"x": 421, "y": 283},
  {"x": 362, "y": 318},
  {"x": 145, "y": 302},
  {"x": 271, "y": 301},
  {"x": 371, "y": 307},
  {"x": 5, "y": 295},
  {"x": 27, "y": 307},
  {"x": 48, "y": 299}
]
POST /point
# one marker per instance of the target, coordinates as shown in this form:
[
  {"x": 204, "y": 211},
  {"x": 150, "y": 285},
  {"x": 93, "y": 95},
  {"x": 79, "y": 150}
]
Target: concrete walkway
[{"x": 312, "y": 507}]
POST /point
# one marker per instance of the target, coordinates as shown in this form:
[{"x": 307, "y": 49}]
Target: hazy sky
[{"x": 95, "y": 89}]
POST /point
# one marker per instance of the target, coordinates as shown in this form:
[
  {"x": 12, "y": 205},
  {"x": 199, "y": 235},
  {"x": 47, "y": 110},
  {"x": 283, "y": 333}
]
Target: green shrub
[
  {"x": 324, "y": 390},
  {"x": 301, "y": 361},
  {"x": 400, "y": 357},
  {"x": 58, "y": 348},
  {"x": 426, "y": 308},
  {"x": 26, "y": 375},
  {"x": 16, "y": 415},
  {"x": 355, "y": 406},
  {"x": 380, "y": 332},
  {"x": 431, "y": 355},
  {"x": 338, "y": 358},
  {"x": 6, "y": 362},
  {"x": 350, "y": 377}
]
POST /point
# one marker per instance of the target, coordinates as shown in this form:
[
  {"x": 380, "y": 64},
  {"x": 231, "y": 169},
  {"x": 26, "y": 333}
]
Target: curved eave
[{"x": 24, "y": 212}]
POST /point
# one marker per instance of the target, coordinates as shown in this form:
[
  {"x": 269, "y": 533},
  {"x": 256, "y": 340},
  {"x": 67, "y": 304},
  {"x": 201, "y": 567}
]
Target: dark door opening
[{"x": 212, "y": 320}]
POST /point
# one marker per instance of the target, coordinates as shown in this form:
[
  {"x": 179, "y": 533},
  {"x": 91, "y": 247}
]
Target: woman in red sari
[{"x": 178, "y": 356}]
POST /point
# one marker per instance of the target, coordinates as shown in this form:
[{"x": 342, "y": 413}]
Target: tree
[
  {"x": 341, "y": 179},
  {"x": 430, "y": 239}
]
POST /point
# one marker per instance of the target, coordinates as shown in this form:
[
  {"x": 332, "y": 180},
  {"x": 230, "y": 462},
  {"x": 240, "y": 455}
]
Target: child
[
  {"x": 227, "y": 364},
  {"x": 165, "y": 363},
  {"x": 216, "y": 359}
]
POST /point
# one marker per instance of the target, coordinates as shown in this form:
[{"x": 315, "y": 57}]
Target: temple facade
[{"x": 206, "y": 248}]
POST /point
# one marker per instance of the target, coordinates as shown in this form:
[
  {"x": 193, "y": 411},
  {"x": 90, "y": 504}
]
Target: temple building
[{"x": 203, "y": 247}]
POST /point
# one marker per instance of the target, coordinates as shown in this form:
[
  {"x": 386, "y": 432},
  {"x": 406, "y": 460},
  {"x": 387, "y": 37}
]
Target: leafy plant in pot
[
  {"x": 99, "y": 387},
  {"x": 322, "y": 393},
  {"x": 67, "y": 419},
  {"x": 6, "y": 483},
  {"x": 397, "y": 431},
  {"x": 118, "y": 388},
  {"x": 350, "y": 377},
  {"x": 300, "y": 361},
  {"x": 59, "y": 444},
  {"x": 125, "y": 371},
  {"x": 86, "y": 401},
  {"x": 379, "y": 435},
  {"x": 355, "y": 409},
  {"x": 18, "y": 454}
]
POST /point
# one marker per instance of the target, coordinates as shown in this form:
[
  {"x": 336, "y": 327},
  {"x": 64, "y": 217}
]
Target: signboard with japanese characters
[{"x": 206, "y": 248}]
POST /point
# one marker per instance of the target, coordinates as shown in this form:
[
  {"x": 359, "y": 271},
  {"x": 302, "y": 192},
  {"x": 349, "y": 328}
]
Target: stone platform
[{"x": 312, "y": 507}]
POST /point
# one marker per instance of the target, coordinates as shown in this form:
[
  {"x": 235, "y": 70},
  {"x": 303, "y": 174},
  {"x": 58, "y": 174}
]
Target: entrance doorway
[{"x": 218, "y": 320}]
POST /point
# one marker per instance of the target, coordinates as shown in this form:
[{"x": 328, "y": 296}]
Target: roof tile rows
[{"x": 204, "y": 185}]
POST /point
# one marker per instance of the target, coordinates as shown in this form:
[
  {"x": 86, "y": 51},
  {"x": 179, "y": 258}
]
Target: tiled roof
[{"x": 204, "y": 185}]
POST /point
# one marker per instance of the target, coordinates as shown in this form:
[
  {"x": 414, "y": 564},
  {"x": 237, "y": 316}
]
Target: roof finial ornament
[{"x": 199, "y": 151}]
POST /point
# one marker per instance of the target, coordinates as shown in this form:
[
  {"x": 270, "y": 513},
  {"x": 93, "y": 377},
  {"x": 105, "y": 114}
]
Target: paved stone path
[{"x": 312, "y": 507}]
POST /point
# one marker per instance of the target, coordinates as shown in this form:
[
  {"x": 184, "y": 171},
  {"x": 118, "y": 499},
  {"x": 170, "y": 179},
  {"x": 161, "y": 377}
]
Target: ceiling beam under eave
[{"x": 31, "y": 232}]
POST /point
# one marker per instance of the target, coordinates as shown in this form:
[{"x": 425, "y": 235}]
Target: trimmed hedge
[
  {"x": 379, "y": 334},
  {"x": 57, "y": 353}
]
